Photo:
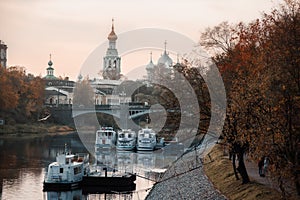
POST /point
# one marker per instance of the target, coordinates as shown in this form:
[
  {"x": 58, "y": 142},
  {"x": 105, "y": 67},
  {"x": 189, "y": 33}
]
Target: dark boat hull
[
  {"x": 96, "y": 184},
  {"x": 118, "y": 181},
  {"x": 61, "y": 186}
]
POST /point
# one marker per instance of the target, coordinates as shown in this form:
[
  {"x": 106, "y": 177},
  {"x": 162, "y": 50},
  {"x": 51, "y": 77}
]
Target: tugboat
[
  {"x": 105, "y": 138},
  {"x": 146, "y": 140},
  {"x": 126, "y": 140},
  {"x": 67, "y": 172},
  {"x": 72, "y": 171}
]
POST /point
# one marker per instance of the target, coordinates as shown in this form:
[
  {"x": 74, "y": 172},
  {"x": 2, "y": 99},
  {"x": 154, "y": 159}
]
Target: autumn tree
[
  {"x": 21, "y": 94},
  {"x": 224, "y": 40},
  {"x": 83, "y": 94},
  {"x": 278, "y": 114},
  {"x": 8, "y": 96},
  {"x": 261, "y": 73}
]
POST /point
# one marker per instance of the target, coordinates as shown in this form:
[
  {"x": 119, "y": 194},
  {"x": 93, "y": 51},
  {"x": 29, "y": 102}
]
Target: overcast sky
[{"x": 71, "y": 29}]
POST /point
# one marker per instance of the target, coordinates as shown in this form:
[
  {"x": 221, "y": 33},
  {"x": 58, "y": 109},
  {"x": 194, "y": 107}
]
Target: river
[{"x": 24, "y": 161}]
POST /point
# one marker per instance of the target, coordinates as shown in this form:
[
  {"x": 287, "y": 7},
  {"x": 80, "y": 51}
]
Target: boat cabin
[{"x": 105, "y": 137}]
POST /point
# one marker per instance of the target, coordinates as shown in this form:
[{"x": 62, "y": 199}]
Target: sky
[{"x": 71, "y": 30}]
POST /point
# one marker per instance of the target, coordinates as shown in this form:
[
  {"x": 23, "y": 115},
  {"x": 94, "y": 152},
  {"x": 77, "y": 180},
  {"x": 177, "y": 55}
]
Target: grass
[{"x": 219, "y": 171}]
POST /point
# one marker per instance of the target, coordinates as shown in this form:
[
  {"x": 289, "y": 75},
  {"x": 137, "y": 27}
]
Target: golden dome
[{"x": 112, "y": 36}]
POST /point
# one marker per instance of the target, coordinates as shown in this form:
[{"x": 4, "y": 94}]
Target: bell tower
[{"x": 112, "y": 61}]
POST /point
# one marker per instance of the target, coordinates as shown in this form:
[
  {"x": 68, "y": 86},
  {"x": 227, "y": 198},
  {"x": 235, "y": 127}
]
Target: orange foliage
[
  {"x": 262, "y": 78},
  {"x": 20, "y": 92}
]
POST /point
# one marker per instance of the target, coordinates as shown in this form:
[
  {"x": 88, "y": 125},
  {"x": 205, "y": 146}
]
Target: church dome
[
  {"x": 150, "y": 65},
  {"x": 165, "y": 60},
  {"x": 112, "y": 36},
  {"x": 50, "y": 63}
]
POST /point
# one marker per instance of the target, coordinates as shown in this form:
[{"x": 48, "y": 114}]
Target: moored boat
[
  {"x": 108, "y": 179},
  {"x": 105, "y": 138},
  {"x": 146, "y": 140},
  {"x": 72, "y": 171},
  {"x": 126, "y": 140},
  {"x": 67, "y": 172}
]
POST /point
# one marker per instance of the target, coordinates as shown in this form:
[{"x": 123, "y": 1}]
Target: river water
[{"x": 24, "y": 161}]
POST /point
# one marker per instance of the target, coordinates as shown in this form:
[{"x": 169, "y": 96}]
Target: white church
[{"x": 60, "y": 90}]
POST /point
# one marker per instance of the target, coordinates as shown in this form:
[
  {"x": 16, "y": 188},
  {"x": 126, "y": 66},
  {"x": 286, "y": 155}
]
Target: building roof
[
  {"x": 165, "y": 58},
  {"x": 54, "y": 92},
  {"x": 50, "y": 77},
  {"x": 151, "y": 64}
]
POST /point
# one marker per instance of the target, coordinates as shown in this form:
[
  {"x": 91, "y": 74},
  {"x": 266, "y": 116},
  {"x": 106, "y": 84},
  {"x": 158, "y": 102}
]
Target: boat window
[
  {"x": 121, "y": 136},
  {"x": 77, "y": 170},
  {"x": 61, "y": 170},
  {"x": 129, "y": 136}
]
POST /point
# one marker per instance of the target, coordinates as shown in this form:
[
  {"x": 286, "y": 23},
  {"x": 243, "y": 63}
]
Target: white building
[
  {"x": 57, "y": 90},
  {"x": 106, "y": 91},
  {"x": 112, "y": 61}
]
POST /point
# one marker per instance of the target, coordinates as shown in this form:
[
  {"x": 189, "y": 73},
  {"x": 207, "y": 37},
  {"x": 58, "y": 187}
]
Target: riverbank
[
  {"x": 219, "y": 170},
  {"x": 33, "y": 128},
  {"x": 185, "y": 179}
]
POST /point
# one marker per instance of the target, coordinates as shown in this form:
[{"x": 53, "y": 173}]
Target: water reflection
[
  {"x": 68, "y": 195},
  {"x": 25, "y": 159}
]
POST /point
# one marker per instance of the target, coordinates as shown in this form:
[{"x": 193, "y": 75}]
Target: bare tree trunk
[
  {"x": 242, "y": 168},
  {"x": 234, "y": 166}
]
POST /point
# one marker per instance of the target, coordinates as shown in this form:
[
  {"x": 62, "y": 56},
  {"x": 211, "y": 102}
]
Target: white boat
[
  {"x": 67, "y": 172},
  {"x": 126, "y": 140},
  {"x": 146, "y": 140},
  {"x": 105, "y": 138}
]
